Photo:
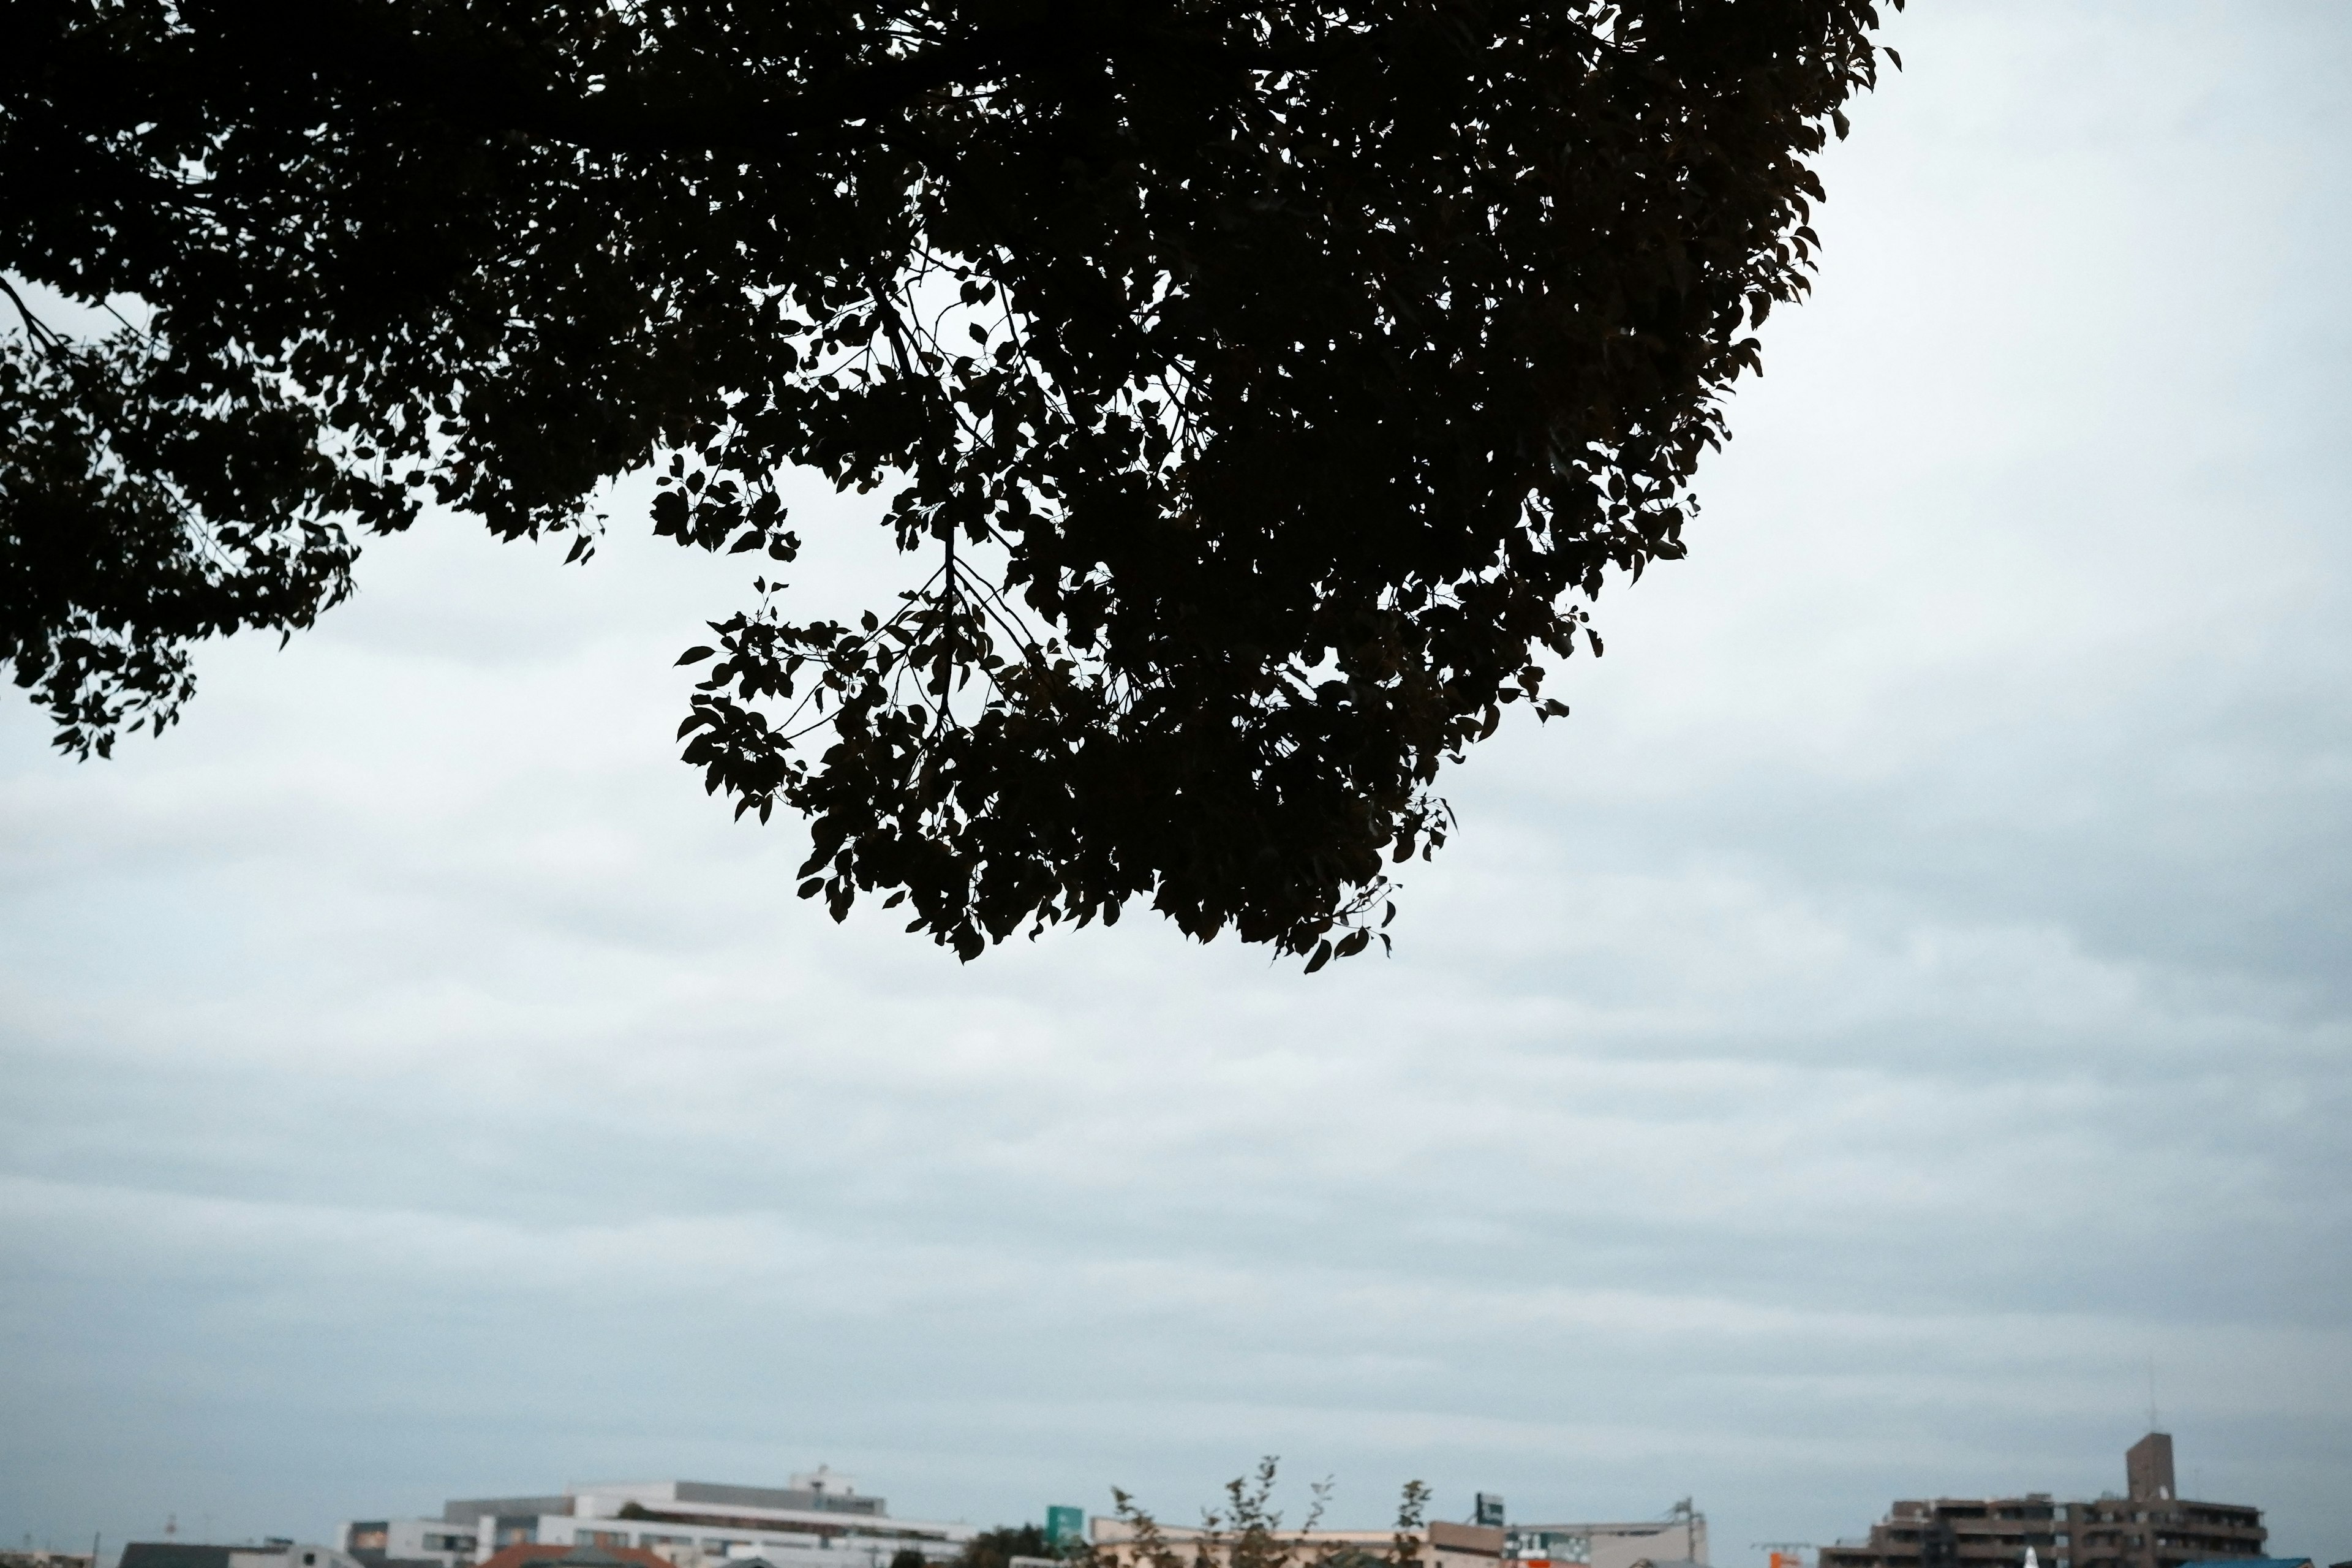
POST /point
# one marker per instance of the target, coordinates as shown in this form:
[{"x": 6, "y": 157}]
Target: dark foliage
[
  {"x": 997, "y": 1548},
  {"x": 1264, "y": 386}
]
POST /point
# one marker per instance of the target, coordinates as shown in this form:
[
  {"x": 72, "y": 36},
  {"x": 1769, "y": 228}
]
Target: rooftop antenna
[
  {"x": 1688, "y": 1514},
  {"x": 2154, "y": 1423}
]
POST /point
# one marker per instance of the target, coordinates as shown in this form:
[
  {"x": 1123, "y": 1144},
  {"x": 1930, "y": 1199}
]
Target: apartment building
[{"x": 2148, "y": 1526}]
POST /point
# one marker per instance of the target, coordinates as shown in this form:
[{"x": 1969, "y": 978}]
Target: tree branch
[
  {"x": 493, "y": 81},
  {"x": 45, "y": 337}
]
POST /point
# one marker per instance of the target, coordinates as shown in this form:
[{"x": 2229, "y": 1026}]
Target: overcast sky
[{"x": 1910, "y": 997}]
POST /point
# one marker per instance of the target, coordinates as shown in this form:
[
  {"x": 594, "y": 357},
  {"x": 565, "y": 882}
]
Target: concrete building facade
[
  {"x": 2148, "y": 1527},
  {"x": 1680, "y": 1537},
  {"x": 819, "y": 1521}
]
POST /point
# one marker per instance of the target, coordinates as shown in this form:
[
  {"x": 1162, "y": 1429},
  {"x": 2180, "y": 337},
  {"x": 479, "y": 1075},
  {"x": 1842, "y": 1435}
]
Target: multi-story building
[
  {"x": 820, "y": 1520},
  {"x": 1681, "y": 1537},
  {"x": 2147, "y": 1527}
]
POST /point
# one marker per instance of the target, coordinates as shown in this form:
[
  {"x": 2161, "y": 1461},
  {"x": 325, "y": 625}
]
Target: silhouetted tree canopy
[{"x": 1262, "y": 388}]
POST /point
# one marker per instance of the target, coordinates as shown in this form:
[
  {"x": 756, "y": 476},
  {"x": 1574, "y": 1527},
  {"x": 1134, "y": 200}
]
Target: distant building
[
  {"x": 42, "y": 1557},
  {"x": 1679, "y": 1538},
  {"x": 1439, "y": 1544},
  {"x": 276, "y": 1552},
  {"x": 2150, "y": 1527},
  {"x": 533, "y": 1556},
  {"x": 410, "y": 1543},
  {"x": 820, "y": 1520}
]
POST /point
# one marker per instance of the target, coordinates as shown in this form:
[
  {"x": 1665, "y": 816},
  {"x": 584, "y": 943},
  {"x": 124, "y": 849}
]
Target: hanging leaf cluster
[{"x": 1261, "y": 390}]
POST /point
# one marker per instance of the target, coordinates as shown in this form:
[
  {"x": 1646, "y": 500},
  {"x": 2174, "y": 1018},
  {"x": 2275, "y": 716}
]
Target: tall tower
[{"x": 2148, "y": 1469}]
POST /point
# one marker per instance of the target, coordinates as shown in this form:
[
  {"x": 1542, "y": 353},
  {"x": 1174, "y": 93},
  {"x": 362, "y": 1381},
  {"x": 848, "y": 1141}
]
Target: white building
[{"x": 820, "y": 1520}]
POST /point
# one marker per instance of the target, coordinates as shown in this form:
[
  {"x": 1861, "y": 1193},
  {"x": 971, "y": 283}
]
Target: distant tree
[
  {"x": 997, "y": 1548},
  {"x": 908, "y": 1557},
  {"x": 1265, "y": 387},
  {"x": 1248, "y": 1533}
]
